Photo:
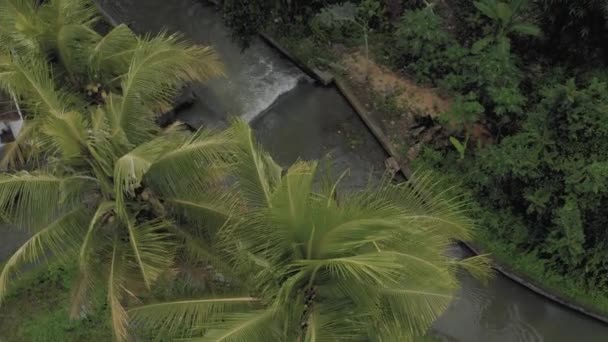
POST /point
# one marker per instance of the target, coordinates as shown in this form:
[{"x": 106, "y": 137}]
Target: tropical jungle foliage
[
  {"x": 142, "y": 210},
  {"x": 533, "y": 73}
]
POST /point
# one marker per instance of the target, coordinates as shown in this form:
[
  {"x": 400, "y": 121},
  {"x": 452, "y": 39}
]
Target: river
[{"x": 294, "y": 118}]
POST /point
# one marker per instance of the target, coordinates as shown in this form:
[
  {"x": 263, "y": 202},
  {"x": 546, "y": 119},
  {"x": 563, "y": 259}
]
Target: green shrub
[
  {"x": 494, "y": 76},
  {"x": 554, "y": 176},
  {"x": 423, "y": 47}
]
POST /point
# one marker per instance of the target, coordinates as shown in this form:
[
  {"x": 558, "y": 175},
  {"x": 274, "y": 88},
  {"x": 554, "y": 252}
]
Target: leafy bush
[
  {"x": 489, "y": 75},
  {"x": 554, "y": 176},
  {"x": 423, "y": 47}
]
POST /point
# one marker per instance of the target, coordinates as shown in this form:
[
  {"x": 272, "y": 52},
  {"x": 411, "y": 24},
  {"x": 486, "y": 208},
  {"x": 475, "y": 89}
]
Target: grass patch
[{"x": 37, "y": 310}]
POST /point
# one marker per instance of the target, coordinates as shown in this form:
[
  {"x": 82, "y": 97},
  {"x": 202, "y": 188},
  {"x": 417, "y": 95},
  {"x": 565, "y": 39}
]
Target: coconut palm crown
[
  {"x": 109, "y": 185},
  {"x": 324, "y": 264}
]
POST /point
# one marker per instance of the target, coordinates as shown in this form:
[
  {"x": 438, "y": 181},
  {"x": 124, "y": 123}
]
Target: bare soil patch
[{"x": 405, "y": 110}]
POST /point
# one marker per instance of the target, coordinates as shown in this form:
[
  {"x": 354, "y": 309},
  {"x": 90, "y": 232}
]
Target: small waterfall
[
  {"x": 267, "y": 84},
  {"x": 256, "y": 77}
]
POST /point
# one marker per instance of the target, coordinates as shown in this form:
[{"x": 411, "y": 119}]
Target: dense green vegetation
[
  {"x": 37, "y": 310},
  {"x": 533, "y": 75},
  {"x": 132, "y": 214}
]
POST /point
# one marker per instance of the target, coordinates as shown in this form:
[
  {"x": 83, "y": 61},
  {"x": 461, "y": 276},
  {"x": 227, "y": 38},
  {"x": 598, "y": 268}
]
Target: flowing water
[
  {"x": 296, "y": 119},
  {"x": 255, "y": 78}
]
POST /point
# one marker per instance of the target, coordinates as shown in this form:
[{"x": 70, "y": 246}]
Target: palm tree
[
  {"x": 109, "y": 186},
  {"x": 326, "y": 266},
  {"x": 54, "y": 61}
]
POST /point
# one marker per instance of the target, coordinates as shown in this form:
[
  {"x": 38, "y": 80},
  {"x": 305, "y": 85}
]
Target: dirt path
[
  {"x": 419, "y": 99},
  {"x": 396, "y": 103}
]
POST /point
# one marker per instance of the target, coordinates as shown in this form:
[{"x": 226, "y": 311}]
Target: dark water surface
[{"x": 301, "y": 120}]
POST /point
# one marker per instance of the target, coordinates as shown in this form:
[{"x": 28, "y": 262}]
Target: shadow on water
[{"x": 301, "y": 120}]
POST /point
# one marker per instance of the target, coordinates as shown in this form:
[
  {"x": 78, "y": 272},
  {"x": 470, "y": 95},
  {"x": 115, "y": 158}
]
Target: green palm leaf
[
  {"x": 257, "y": 173},
  {"x": 210, "y": 209},
  {"x": 171, "y": 317},
  {"x": 157, "y": 66},
  {"x": 20, "y": 27},
  {"x": 31, "y": 200},
  {"x": 255, "y": 326},
  {"x": 151, "y": 248},
  {"x": 23, "y": 149},
  {"x": 410, "y": 311},
  {"x": 64, "y": 134},
  {"x": 101, "y": 214},
  {"x": 130, "y": 169},
  {"x": 31, "y": 79},
  {"x": 115, "y": 295},
  {"x": 190, "y": 167},
  {"x": 72, "y": 44},
  {"x": 112, "y": 52},
  {"x": 197, "y": 248},
  {"x": 58, "y": 239},
  {"x": 68, "y": 12}
]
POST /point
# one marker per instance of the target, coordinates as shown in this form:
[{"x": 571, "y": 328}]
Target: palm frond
[
  {"x": 81, "y": 296},
  {"x": 327, "y": 324},
  {"x": 411, "y": 311},
  {"x": 193, "y": 165},
  {"x": 71, "y": 45},
  {"x": 208, "y": 210},
  {"x": 478, "y": 266},
  {"x": 255, "y": 326},
  {"x": 257, "y": 173},
  {"x": 174, "y": 318},
  {"x": 64, "y": 134},
  {"x": 59, "y": 239},
  {"x": 371, "y": 268},
  {"x": 428, "y": 203},
  {"x": 197, "y": 249},
  {"x": 104, "y": 147},
  {"x": 151, "y": 249},
  {"x": 130, "y": 169},
  {"x": 20, "y": 27},
  {"x": 31, "y": 200},
  {"x": 112, "y": 53},
  {"x": 158, "y": 65},
  {"x": 115, "y": 295},
  {"x": 68, "y": 12},
  {"x": 30, "y": 78},
  {"x": 23, "y": 150},
  {"x": 101, "y": 214}
]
